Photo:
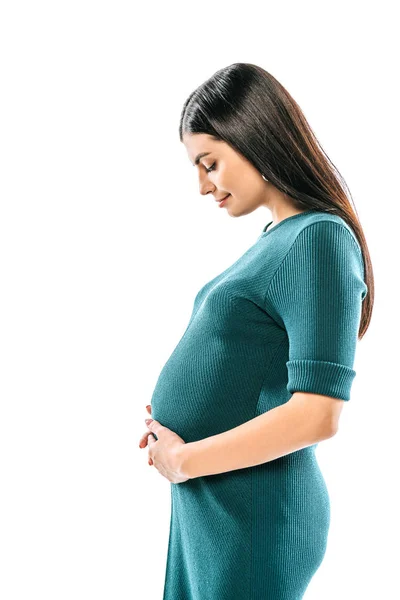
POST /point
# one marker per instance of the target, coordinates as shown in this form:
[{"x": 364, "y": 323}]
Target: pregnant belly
[{"x": 204, "y": 389}]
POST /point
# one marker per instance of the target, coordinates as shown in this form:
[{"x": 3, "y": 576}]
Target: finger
[
  {"x": 155, "y": 427},
  {"x": 148, "y": 408},
  {"x": 143, "y": 440},
  {"x": 150, "y": 440}
]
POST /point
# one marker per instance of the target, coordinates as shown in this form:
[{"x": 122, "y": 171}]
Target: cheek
[
  {"x": 238, "y": 180},
  {"x": 252, "y": 184},
  {"x": 239, "y": 187},
  {"x": 241, "y": 178},
  {"x": 229, "y": 181}
]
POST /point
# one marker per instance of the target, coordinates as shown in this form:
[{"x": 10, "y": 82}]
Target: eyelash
[{"x": 210, "y": 168}]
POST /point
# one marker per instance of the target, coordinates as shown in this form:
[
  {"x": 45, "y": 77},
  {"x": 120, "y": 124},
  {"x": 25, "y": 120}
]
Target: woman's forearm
[{"x": 280, "y": 431}]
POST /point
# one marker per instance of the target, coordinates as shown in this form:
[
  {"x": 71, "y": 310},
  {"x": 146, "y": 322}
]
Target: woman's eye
[{"x": 210, "y": 168}]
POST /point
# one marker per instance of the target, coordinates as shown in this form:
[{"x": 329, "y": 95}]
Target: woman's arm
[{"x": 304, "y": 420}]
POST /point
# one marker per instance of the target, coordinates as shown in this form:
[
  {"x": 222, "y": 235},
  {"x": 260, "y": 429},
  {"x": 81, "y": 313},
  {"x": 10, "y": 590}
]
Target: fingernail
[{"x": 147, "y": 421}]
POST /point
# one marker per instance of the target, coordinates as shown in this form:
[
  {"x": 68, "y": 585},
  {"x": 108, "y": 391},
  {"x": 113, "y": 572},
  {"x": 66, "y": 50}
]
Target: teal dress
[{"x": 283, "y": 318}]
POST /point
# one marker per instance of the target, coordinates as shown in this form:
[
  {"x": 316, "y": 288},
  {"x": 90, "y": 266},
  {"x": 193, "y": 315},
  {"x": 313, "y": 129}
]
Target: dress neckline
[{"x": 267, "y": 231}]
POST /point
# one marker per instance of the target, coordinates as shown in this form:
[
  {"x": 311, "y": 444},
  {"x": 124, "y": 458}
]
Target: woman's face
[{"x": 224, "y": 171}]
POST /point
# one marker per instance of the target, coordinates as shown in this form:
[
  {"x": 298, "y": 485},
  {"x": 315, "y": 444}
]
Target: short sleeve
[{"x": 316, "y": 294}]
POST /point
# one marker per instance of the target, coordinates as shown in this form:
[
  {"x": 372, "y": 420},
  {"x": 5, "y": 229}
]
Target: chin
[{"x": 241, "y": 212}]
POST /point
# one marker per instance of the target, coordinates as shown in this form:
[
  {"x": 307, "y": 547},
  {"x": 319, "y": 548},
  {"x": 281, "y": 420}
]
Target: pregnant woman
[{"x": 263, "y": 369}]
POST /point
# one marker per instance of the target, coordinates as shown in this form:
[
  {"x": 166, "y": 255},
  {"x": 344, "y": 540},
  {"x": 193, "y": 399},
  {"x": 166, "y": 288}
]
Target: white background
[{"x": 104, "y": 242}]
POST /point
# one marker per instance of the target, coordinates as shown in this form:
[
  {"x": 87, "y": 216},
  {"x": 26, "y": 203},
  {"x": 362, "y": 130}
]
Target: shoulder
[
  {"x": 320, "y": 275},
  {"x": 322, "y": 252},
  {"x": 323, "y": 224},
  {"x": 327, "y": 235}
]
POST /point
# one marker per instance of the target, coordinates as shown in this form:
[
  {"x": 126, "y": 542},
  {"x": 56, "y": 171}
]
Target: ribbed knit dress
[{"x": 282, "y": 318}]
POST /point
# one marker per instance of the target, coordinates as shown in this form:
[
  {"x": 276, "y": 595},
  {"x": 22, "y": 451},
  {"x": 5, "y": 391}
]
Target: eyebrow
[{"x": 199, "y": 156}]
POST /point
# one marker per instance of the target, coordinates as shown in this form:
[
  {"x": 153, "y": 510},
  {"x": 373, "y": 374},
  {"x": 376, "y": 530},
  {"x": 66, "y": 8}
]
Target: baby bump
[{"x": 205, "y": 389}]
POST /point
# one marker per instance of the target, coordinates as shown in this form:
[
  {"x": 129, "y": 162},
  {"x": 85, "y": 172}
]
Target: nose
[
  {"x": 205, "y": 193},
  {"x": 206, "y": 187}
]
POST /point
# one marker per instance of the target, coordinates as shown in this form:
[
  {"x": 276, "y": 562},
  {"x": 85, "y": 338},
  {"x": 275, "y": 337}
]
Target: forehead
[{"x": 199, "y": 144}]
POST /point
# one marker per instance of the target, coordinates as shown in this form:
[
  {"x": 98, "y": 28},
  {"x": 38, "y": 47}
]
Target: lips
[{"x": 220, "y": 200}]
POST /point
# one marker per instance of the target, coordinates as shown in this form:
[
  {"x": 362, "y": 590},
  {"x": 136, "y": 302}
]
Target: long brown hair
[{"x": 246, "y": 107}]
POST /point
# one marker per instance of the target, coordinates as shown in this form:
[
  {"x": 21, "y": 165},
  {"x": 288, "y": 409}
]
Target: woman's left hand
[{"x": 166, "y": 452}]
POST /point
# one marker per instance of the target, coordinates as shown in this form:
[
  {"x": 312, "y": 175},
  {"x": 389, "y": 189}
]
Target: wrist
[{"x": 187, "y": 454}]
